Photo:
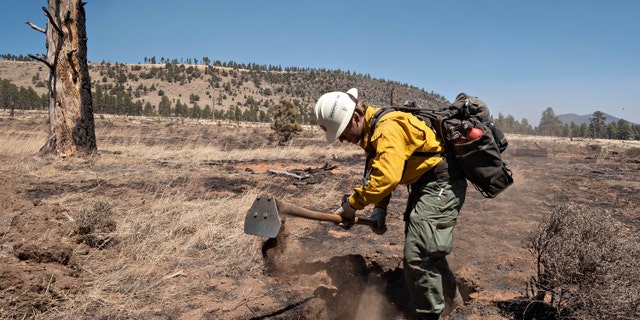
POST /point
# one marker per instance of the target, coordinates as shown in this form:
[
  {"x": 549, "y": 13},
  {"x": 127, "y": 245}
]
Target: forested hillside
[{"x": 210, "y": 90}]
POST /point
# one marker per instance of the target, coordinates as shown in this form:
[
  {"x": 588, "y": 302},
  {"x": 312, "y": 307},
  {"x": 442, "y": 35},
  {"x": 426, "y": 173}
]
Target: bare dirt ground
[{"x": 151, "y": 226}]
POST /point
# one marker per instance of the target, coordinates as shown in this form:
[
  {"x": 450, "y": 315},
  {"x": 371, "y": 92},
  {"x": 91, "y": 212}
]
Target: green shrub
[{"x": 285, "y": 120}]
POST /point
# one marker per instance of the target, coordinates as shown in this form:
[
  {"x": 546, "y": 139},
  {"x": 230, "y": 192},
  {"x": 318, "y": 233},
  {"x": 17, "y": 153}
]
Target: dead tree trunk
[{"x": 71, "y": 124}]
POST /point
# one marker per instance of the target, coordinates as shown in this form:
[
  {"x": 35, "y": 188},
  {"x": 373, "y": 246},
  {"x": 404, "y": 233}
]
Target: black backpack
[{"x": 480, "y": 157}]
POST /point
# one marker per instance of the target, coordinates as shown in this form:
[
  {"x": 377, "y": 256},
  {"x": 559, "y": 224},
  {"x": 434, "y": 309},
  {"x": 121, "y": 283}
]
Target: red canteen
[{"x": 473, "y": 134}]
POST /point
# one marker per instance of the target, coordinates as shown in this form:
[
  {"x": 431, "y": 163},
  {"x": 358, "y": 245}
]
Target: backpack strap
[
  {"x": 374, "y": 121},
  {"x": 377, "y": 116}
]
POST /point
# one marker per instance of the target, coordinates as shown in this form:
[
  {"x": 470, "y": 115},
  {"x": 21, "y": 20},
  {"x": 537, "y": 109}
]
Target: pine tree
[
  {"x": 550, "y": 124},
  {"x": 597, "y": 124},
  {"x": 285, "y": 115},
  {"x": 624, "y": 129}
]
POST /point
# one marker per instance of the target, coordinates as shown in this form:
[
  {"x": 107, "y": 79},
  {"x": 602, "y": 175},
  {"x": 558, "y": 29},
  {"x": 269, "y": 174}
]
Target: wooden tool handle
[{"x": 293, "y": 210}]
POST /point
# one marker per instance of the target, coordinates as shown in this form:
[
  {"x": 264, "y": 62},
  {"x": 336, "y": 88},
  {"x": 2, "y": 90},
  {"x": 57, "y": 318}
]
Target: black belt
[{"x": 447, "y": 169}]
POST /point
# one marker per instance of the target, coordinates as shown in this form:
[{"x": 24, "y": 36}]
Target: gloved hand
[
  {"x": 379, "y": 215},
  {"x": 347, "y": 212}
]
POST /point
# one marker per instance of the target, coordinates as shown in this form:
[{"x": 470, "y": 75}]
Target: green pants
[{"x": 432, "y": 213}]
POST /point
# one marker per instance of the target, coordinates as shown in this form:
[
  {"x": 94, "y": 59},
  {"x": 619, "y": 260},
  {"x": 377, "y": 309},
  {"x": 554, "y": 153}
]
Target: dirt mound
[
  {"x": 38, "y": 265},
  {"x": 351, "y": 286}
]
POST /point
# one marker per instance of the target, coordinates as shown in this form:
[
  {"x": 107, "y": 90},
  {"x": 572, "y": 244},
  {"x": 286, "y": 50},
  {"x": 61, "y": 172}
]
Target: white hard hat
[{"x": 334, "y": 111}]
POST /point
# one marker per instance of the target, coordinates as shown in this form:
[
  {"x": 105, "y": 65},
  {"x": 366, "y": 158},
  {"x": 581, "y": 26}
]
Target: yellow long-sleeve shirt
[{"x": 396, "y": 137}]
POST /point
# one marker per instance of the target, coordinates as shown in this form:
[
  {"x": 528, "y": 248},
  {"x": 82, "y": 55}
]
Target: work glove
[
  {"x": 347, "y": 212},
  {"x": 379, "y": 216}
]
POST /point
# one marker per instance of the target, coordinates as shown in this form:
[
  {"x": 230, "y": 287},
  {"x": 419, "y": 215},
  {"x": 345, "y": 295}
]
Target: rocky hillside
[{"x": 221, "y": 87}]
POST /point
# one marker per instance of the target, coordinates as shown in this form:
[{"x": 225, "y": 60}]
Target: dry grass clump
[
  {"x": 183, "y": 229},
  {"x": 169, "y": 251},
  {"x": 587, "y": 265},
  {"x": 95, "y": 225}
]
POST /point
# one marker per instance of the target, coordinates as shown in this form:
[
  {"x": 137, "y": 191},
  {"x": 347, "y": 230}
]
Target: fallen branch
[
  {"x": 283, "y": 310},
  {"x": 170, "y": 276},
  {"x": 326, "y": 167},
  {"x": 299, "y": 177},
  {"x": 175, "y": 274}
]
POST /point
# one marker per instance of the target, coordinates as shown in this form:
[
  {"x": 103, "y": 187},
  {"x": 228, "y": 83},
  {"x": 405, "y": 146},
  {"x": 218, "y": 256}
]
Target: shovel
[{"x": 263, "y": 218}]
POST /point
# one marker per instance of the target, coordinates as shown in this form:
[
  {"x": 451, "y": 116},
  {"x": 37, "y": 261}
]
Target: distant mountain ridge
[{"x": 567, "y": 118}]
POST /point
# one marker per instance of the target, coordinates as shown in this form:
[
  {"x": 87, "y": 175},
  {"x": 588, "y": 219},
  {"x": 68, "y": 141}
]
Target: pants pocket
[
  {"x": 428, "y": 238},
  {"x": 442, "y": 237}
]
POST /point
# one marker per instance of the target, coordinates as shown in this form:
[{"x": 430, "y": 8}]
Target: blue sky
[{"x": 520, "y": 57}]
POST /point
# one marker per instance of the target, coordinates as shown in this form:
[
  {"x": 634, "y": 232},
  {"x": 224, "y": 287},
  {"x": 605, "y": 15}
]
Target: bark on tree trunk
[{"x": 71, "y": 124}]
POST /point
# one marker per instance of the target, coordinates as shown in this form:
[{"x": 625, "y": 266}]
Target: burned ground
[{"x": 71, "y": 246}]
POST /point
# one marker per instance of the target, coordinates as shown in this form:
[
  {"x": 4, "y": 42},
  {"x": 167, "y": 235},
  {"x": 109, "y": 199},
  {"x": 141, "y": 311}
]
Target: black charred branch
[
  {"x": 52, "y": 21},
  {"x": 283, "y": 310},
  {"x": 41, "y": 59}
]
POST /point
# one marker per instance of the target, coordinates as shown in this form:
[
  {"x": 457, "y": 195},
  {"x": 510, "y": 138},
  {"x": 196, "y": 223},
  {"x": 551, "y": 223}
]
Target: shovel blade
[{"x": 263, "y": 219}]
